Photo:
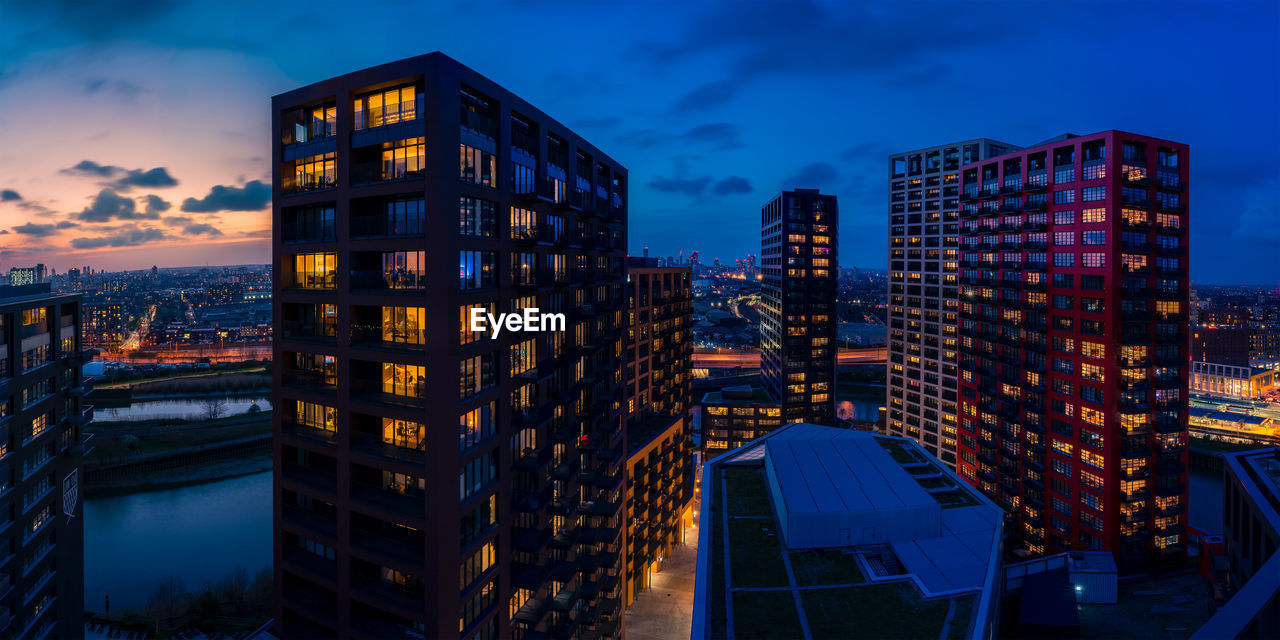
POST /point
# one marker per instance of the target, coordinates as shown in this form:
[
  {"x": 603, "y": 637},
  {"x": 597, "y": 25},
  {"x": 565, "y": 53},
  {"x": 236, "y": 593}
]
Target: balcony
[
  {"x": 375, "y": 447},
  {"x": 379, "y": 226},
  {"x": 308, "y": 381},
  {"x": 373, "y": 392},
  {"x": 386, "y": 283},
  {"x": 540, "y": 191},
  {"x": 294, "y": 429}
]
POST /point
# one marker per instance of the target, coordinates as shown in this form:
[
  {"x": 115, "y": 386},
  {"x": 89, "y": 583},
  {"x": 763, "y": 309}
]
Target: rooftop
[
  {"x": 741, "y": 394},
  {"x": 842, "y": 534},
  {"x": 646, "y": 429}
]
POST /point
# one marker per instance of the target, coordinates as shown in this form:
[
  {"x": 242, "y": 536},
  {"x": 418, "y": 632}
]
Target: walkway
[{"x": 665, "y": 610}]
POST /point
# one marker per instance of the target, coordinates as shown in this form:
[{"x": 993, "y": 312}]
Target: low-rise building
[
  {"x": 737, "y": 415},
  {"x": 816, "y": 531}
]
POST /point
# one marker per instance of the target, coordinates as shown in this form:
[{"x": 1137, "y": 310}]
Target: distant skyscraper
[
  {"x": 407, "y": 195},
  {"x": 21, "y": 276},
  {"x": 42, "y": 405},
  {"x": 923, "y": 257},
  {"x": 798, "y": 304},
  {"x": 1073, "y": 343}
]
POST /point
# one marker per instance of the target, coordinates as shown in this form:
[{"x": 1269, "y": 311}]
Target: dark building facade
[
  {"x": 407, "y": 195},
  {"x": 42, "y": 417},
  {"x": 924, "y": 259},
  {"x": 799, "y": 232},
  {"x": 1073, "y": 342},
  {"x": 659, "y": 471}
]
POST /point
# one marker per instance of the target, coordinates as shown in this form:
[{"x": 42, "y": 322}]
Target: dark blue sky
[{"x": 712, "y": 106}]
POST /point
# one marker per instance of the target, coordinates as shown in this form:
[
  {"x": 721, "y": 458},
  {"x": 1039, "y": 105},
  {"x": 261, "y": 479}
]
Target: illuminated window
[
  {"x": 404, "y": 379},
  {"x": 404, "y": 434},
  {"x": 388, "y": 106},
  {"x": 314, "y": 270}
]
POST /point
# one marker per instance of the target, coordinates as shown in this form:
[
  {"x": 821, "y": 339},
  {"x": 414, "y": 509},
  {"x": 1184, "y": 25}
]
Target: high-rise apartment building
[
  {"x": 1073, "y": 342},
  {"x": 659, "y": 352},
  {"x": 408, "y": 195},
  {"x": 799, "y": 232},
  {"x": 924, "y": 207},
  {"x": 42, "y": 417}
]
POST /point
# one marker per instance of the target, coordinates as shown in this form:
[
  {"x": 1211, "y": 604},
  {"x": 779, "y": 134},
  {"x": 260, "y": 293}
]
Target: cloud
[
  {"x": 33, "y": 229},
  {"x": 129, "y": 237},
  {"x": 122, "y": 88},
  {"x": 66, "y": 224},
  {"x": 108, "y": 205},
  {"x": 872, "y": 151},
  {"x": 721, "y": 136},
  {"x": 812, "y": 175},
  {"x": 689, "y": 187},
  {"x": 178, "y": 221},
  {"x": 125, "y": 179},
  {"x": 711, "y": 94},
  {"x": 151, "y": 178},
  {"x": 759, "y": 38},
  {"x": 156, "y": 204},
  {"x": 91, "y": 168},
  {"x": 253, "y": 196},
  {"x": 9, "y": 195},
  {"x": 201, "y": 229},
  {"x": 732, "y": 185}
]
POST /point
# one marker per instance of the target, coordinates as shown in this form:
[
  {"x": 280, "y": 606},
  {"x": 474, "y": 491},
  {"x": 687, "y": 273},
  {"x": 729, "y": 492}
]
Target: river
[
  {"x": 186, "y": 409},
  {"x": 199, "y": 533}
]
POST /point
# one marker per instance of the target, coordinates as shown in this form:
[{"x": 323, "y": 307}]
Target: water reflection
[{"x": 199, "y": 533}]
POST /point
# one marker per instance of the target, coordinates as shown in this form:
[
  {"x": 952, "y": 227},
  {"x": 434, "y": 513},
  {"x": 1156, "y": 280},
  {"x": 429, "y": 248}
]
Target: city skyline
[{"x": 146, "y": 145}]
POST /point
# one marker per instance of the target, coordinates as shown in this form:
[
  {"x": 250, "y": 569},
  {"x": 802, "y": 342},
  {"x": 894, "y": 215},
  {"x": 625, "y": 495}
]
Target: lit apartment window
[
  {"x": 477, "y": 269},
  {"x": 403, "y": 159},
  {"x": 314, "y": 270},
  {"x": 404, "y": 379},
  {"x": 388, "y": 106},
  {"x": 405, "y": 325},
  {"x": 316, "y": 416},
  {"x": 404, "y": 434},
  {"x": 305, "y": 124},
  {"x": 312, "y": 173}
]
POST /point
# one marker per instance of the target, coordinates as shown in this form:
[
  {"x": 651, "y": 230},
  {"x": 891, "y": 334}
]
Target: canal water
[
  {"x": 199, "y": 533},
  {"x": 183, "y": 409}
]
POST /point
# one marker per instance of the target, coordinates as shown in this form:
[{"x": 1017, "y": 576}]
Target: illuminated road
[{"x": 725, "y": 358}]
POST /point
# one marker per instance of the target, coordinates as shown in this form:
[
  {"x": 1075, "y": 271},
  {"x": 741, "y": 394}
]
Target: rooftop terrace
[{"x": 753, "y": 584}]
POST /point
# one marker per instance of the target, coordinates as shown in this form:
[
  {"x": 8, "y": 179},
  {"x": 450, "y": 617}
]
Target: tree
[{"x": 213, "y": 407}]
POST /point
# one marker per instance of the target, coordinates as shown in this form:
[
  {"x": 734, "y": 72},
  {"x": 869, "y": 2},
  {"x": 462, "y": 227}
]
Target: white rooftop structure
[{"x": 841, "y": 488}]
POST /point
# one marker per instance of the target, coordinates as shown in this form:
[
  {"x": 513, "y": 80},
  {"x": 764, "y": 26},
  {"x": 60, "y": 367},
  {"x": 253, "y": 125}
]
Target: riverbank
[
  {"x": 142, "y": 456},
  {"x": 124, "y": 484},
  {"x": 124, "y": 381}
]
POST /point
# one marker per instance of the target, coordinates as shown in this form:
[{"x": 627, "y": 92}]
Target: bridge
[{"x": 750, "y": 358}]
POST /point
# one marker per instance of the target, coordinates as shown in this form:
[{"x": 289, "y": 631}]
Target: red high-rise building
[{"x": 1073, "y": 342}]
